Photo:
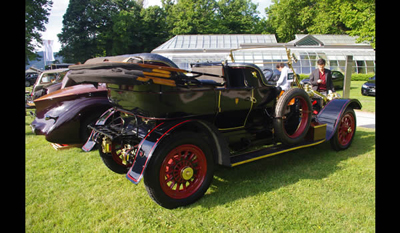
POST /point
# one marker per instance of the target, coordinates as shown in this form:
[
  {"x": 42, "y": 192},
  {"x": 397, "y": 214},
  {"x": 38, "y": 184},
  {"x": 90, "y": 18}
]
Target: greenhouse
[{"x": 264, "y": 51}]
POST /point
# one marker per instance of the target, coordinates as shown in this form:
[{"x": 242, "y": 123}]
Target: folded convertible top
[{"x": 125, "y": 73}]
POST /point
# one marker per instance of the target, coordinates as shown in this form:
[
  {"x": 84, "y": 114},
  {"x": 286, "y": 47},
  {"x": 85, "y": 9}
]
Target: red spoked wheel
[
  {"x": 180, "y": 170},
  {"x": 292, "y": 116},
  {"x": 183, "y": 171},
  {"x": 345, "y": 131}
]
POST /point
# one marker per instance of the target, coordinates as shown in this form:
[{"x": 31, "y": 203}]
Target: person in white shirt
[{"x": 283, "y": 79}]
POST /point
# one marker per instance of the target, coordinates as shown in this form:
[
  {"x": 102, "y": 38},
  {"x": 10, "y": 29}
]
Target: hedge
[{"x": 354, "y": 77}]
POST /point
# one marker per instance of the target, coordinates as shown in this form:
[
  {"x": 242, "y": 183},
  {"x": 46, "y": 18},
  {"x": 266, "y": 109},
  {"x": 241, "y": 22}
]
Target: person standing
[
  {"x": 321, "y": 79},
  {"x": 283, "y": 78}
]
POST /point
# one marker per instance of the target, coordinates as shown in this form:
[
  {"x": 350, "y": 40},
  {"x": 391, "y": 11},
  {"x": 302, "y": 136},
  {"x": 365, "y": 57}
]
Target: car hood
[
  {"x": 69, "y": 93},
  {"x": 73, "y": 90}
]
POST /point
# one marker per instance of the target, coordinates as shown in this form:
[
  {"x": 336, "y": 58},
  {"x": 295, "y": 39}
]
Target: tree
[
  {"x": 238, "y": 16},
  {"x": 36, "y": 16},
  {"x": 192, "y": 17},
  {"x": 126, "y": 31},
  {"x": 290, "y": 17},
  {"x": 359, "y": 16},
  {"x": 86, "y": 25},
  {"x": 155, "y": 27},
  {"x": 352, "y": 17},
  {"x": 93, "y": 28}
]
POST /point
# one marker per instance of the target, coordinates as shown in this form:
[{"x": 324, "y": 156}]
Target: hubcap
[{"x": 187, "y": 173}]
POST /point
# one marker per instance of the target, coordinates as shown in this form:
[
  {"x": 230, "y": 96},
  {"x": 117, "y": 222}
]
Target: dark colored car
[
  {"x": 368, "y": 88},
  {"x": 337, "y": 79},
  {"x": 30, "y": 78},
  {"x": 63, "y": 115},
  {"x": 173, "y": 126}
]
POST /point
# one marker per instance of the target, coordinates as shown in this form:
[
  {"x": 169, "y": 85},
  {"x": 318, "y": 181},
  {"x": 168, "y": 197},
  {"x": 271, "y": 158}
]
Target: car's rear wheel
[
  {"x": 113, "y": 160},
  {"x": 180, "y": 170},
  {"x": 345, "y": 131},
  {"x": 292, "y": 116}
]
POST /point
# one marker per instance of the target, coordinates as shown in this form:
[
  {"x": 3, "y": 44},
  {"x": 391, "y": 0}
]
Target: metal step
[{"x": 269, "y": 151}]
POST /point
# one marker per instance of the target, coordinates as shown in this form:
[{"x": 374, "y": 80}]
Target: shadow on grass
[{"x": 272, "y": 173}]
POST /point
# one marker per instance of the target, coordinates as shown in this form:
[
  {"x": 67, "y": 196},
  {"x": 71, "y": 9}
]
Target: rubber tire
[
  {"x": 111, "y": 164},
  {"x": 335, "y": 144},
  {"x": 279, "y": 127},
  {"x": 152, "y": 172}
]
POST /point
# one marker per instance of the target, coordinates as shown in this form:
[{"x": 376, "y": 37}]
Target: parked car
[
  {"x": 30, "y": 78},
  {"x": 172, "y": 126},
  {"x": 368, "y": 88},
  {"x": 63, "y": 115},
  {"x": 337, "y": 79},
  {"x": 46, "y": 79}
]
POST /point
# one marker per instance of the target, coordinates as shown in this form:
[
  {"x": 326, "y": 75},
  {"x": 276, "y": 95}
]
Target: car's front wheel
[
  {"x": 292, "y": 116},
  {"x": 345, "y": 131},
  {"x": 180, "y": 170}
]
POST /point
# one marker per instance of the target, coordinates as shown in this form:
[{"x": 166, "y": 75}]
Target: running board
[{"x": 270, "y": 151}]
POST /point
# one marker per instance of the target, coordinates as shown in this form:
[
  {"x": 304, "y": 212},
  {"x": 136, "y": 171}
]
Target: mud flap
[{"x": 91, "y": 142}]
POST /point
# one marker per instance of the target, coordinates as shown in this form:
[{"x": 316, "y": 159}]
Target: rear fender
[
  {"x": 150, "y": 142},
  {"x": 91, "y": 142},
  {"x": 68, "y": 116},
  {"x": 333, "y": 111}
]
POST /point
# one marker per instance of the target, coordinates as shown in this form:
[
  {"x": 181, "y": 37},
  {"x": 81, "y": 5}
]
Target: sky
[{"x": 53, "y": 27}]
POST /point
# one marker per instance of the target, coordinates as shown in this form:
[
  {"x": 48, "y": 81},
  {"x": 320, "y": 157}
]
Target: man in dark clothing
[{"x": 321, "y": 79}]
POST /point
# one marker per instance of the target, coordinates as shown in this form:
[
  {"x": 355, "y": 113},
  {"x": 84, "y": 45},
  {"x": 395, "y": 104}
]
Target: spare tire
[{"x": 292, "y": 116}]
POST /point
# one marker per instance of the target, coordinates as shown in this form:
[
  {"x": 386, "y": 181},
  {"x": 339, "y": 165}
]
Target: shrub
[{"x": 361, "y": 77}]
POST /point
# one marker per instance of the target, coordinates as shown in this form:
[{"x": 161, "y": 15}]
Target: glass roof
[
  {"x": 332, "y": 39},
  {"x": 229, "y": 41}
]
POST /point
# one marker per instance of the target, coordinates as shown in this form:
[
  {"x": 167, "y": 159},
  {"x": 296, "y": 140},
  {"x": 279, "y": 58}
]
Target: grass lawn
[
  {"x": 308, "y": 190},
  {"x": 368, "y": 102}
]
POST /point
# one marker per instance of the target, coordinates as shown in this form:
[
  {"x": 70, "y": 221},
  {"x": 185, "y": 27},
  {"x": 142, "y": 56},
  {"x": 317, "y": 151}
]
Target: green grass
[
  {"x": 368, "y": 102},
  {"x": 310, "y": 190}
]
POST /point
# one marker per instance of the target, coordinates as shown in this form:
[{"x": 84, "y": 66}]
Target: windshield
[{"x": 52, "y": 77}]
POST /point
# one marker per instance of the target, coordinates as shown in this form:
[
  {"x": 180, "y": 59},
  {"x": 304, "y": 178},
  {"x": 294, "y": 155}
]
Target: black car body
[
  {"x": 172, "y": 126},
  {"x": 30, "y": 78},
  {"x": 368, "y": 88}
]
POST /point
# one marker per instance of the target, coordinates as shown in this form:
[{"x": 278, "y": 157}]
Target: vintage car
[
  {"x": 173, "y": 126},
  {"x": 63, "y": 115},
  {"x": 47, "y": 80}
]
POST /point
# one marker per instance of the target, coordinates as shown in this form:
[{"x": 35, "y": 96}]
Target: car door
[
  {"x": 235, "y": 101},
  {"x": 337, "y": 80}
]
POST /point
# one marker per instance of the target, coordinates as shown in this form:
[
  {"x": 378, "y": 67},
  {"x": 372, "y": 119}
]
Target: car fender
[
  {"x": 67, "y": 123},
  {"x": 333, "y": 111},
  {"x": 92, "y": 140},
  {"x": 150, "y": 142}
]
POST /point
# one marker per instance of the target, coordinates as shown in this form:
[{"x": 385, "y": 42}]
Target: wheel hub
[
  {"x": 349, "y": 130},
  {"x": 187, "y": 173},
  {"x": 183, "y": 171}
]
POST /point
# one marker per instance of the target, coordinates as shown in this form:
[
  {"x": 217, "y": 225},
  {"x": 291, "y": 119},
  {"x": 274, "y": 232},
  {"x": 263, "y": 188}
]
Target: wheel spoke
[{"x": 183, "y": 171}]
